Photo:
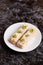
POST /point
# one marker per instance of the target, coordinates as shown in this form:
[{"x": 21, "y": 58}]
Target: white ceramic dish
[{"x": 32, "y": 43}]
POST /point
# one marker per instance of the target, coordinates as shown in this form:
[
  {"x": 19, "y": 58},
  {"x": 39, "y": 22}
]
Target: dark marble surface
[{"x": 13, "y": 11}]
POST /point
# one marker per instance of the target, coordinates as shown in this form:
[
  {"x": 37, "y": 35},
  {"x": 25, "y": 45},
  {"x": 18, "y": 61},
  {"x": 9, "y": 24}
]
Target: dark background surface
[{"x": 13, "y": 11}]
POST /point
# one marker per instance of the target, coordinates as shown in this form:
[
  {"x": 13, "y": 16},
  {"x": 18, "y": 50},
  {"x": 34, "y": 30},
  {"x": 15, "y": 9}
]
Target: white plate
[{"x": 32, "y": 44}]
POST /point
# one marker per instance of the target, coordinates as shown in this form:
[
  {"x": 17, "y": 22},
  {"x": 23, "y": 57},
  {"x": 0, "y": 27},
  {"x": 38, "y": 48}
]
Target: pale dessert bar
[
  {"x": 18, "y": 34},
  {"x": 23, "y": 42}
]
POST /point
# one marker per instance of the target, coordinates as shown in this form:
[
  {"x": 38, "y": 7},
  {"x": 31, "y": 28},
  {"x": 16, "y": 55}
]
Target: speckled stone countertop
[{"x": 13, "y": 11}]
